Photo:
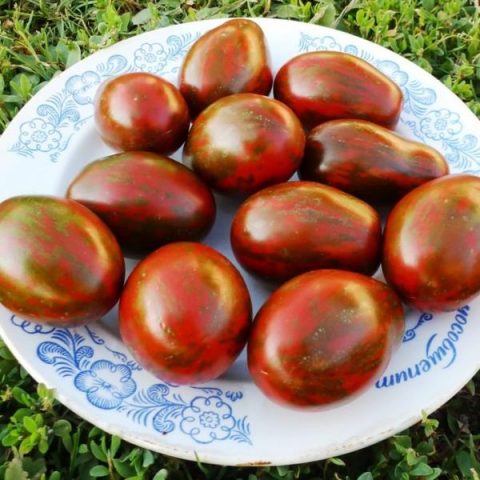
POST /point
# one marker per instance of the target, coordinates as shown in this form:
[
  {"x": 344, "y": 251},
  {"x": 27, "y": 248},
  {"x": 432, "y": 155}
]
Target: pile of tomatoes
[{"x": 185, "y": 312}]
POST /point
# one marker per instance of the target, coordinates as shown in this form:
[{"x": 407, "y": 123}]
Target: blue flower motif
[
  {"x": 106, "y": 384},
  {"x": 150, "y": 57},
  {"x": 392, "y": 70},
  {"x": 207, "y": 419},
  {"x": 39, "y": 135},
  {"x": 83, "y": 87},
  {"x": 441, "y": 124}
]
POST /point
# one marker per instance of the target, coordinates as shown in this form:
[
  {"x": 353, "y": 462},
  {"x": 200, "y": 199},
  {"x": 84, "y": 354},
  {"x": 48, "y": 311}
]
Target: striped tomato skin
[
  {"x": 185, "y": 313},
  {"x": 368, "y": 161},
  {"x": 431, "y": 252},
  {"x": 141, "y": 111},
  {"x": 321, "y": 86},
  {"x": 147, "y": 200},
  {"x": 243, "y": 143},
  {"x": 323, "y": 338},
  {"x": 231, "y": 58},
  {"x": 59, "y": 263},
  {"x": 294, "y": 227}
]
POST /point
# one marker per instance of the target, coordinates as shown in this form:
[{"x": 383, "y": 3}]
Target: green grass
[{"x": 41, "y": 439}]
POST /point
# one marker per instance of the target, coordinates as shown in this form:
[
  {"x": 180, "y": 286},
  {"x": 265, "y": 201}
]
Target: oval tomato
[
  {"x": 368, "y": 161},
  {"x": 231, "y": 58},
  {"x": 59, "y": 263},
  {"x": 323, "y": 337},
  {"x": 140, "y": 111},
  {"x": 185, "y": 313},
  {"x": 431, "y": 252},
  {"x": 295, "y": 227},
  {"x": 244, "y": 142},
  {"x": 147, "y": 200},
  {"x": 321, "y": 86}
]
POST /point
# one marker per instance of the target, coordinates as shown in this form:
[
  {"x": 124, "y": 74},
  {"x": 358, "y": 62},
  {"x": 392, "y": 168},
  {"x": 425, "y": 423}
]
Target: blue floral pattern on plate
[
  {"x": 442, "y": 126},
  {"x": 109, "y": 385},
  {"x": 82, "y": 87},
  {"x": 207, "y": 419},
  {"x": 37, "y": 135},
  {"x": 150, "y": 57},
  {"x": 66, "y": 112},
  {"x": 106, "y": 384}
]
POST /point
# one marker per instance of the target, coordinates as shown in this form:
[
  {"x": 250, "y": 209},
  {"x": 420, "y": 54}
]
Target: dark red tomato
[
  {"x": 368, "y": 161},
  {"x": 185, "y": 313},
  {"x": 147, "y": 200},
  {"x": 231, "y": 58},
  {"x": 244, "y": 142},
  {"x": 323, "y": 337},
  {"x": 140, "y": 111},
  {"x": 321, "y": 86},
  {"x": 59, "y": 263},
  {"x": 431, "y": 252},
  {"x": 295, "y": 227}
]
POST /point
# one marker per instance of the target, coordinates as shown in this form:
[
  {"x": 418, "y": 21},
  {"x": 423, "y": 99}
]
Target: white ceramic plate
[{"x": 229, "y": 421}]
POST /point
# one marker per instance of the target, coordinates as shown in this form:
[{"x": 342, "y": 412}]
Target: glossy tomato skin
[
  {"x": 146, "y": 199},
  {"x": 321, "y": 86},
  {"x": 59, "y": 263},
  {"x": 368, "y": 161},
  {"x": 185, "y": 313},
  {"x": 141, "y": 111},
  {"x": 244, "y": 142},
  {"x": 323, "y": 337},
  {"x": 231, "y": 58},
  {"x": 294, "y": 227},
  {"x": 431, "y": 253}
]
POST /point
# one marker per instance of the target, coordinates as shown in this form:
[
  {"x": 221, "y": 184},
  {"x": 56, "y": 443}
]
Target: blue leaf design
[
  {"x": 20, "y": 149},
  {"x": 178, "y": 398},
  {"x": 114, "y": 65},
  {"x": 50, "y": 352},
  {"x": 156, "y": 393},
  {"x": 54, "y": 354},
  {"x": 423, "y": 95},
  {"x": 140, "y": 414},
  {"x": 78, "y": 339},
  {"x": 417, "y": 98},
  {"x": 178, "y": 45},
  {"x": 82, "y": 354},
  {"x": 241, "y": 433},
  {"x": 153, "y": 401},
  {"x": 68, "y": 115},
  {"x": 161, "y": 422},
  {"x": 463, "y": 153},
  {"x": 63, "y": 335},
  {"x": 304, "y": 43},
  {"x": 140, "y": 408},
  {"x": 51, "y": 114}
]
